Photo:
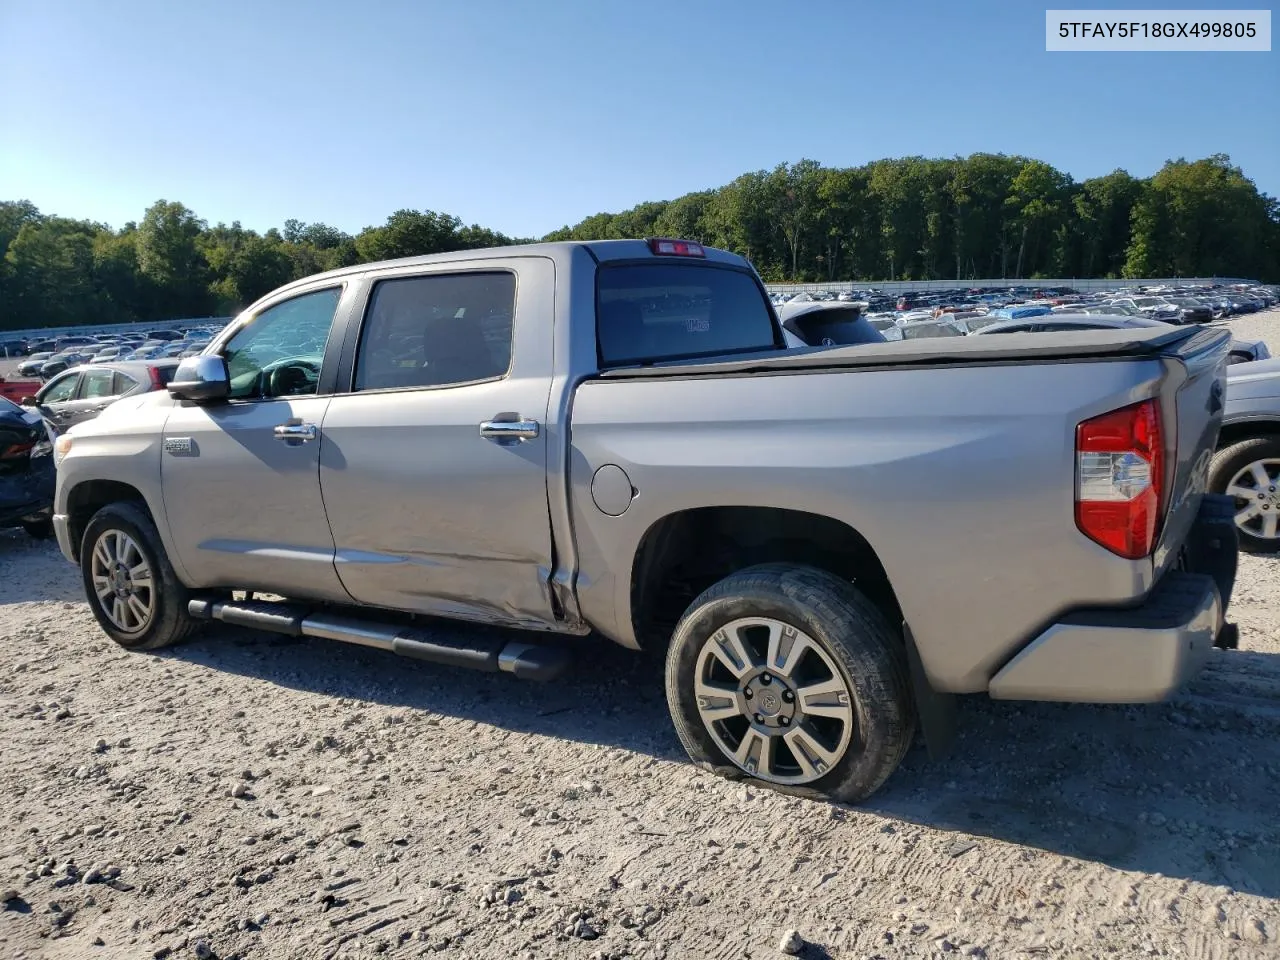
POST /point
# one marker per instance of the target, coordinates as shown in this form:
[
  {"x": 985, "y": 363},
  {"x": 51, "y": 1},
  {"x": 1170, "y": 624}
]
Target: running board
[{"x": 527, "y": 661}]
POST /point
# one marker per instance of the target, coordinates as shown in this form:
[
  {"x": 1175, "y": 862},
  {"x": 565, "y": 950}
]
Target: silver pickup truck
[{"x": 613, "y": 439}]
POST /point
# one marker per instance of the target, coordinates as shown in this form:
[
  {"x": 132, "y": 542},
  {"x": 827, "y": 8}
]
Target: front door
[
  {"x": 241, "y": 479},
  {"x": 55, "y": 400},
  {"x": 434, "y": 466}
]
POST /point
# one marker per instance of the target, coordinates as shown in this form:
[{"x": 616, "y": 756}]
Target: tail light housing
[
  {"x": 1120, "y": 479},
  {"x": 157, "y": 381}
]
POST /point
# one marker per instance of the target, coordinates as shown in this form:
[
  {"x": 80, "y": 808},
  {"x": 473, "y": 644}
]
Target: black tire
[
  {"x": 169, "y": 623},
  {"x": 38, "y": 529},
  {"x": 849, "y": 628},
  {"x": 1229, "y": 461}
]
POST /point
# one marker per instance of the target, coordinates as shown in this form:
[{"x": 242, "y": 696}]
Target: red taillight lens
[
  {"x": 157, "y": 381},
  {"x": 1120, "y": 479},
  {"x": 17, "y": 451},
  {"x": 676, "y": 248}
]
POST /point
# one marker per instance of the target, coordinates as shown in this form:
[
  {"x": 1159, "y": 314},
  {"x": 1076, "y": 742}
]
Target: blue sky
[{"x": 526, "y": 116}]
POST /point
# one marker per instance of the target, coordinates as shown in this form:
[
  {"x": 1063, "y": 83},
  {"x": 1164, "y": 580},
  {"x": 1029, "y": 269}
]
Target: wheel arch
[
  {"x": 89, "y": 496},
  {"x": 1240, "y": 430},
  {"x": 684, "y": 552}
]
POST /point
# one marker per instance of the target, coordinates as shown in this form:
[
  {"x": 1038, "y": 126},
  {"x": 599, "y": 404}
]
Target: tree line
[{"x": 981, "y": 216}]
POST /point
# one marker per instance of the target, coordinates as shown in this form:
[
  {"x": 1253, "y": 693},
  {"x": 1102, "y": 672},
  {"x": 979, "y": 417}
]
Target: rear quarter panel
[{"x": 961, "y": 479}]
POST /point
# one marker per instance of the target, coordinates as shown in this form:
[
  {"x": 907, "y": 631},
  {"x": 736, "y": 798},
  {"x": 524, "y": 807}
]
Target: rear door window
[
  {"x": 95, "y": 384},
  {"x": 437, "y": 330},
  {"x": 124, "y": 383},
  {"x": 654, "y": 312}
]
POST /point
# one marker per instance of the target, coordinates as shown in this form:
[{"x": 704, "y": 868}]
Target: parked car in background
[
  {"x": 1247, "y": 464},
  {"x": 30, "y": 367},
  {"x": 26, "y": 470},
  {"x": 83, "y": 393},
  {"x": 67, "y": 343},
  {"x": 828, "y": 324},
  {"x": 13, "y": 348},
  {"x": 63, "y": 361},
  {"x": 164, "y": 335}
]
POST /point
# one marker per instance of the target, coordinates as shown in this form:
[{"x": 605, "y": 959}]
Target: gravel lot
[{"x": 252, "y": 796}]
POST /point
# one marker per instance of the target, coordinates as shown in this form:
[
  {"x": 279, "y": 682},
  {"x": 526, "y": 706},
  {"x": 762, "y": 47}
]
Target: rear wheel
[
  {"x": 129, "y": 582},
  {"x": 789, "y": 675},
  {"x": 1249, "y": 472}
]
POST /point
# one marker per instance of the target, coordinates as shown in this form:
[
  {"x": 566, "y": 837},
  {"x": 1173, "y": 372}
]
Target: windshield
[{"x": 651, "y": 312}]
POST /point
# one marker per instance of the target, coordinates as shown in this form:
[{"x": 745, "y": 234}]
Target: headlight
[
  {"x": 41, "y": 449},
  {"x": 61, "y": 447}
]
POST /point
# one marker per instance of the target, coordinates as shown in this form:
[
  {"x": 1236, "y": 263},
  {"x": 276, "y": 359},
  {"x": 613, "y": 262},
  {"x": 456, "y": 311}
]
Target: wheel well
[
  {"x": 91, "y": 496},
  {"x": 684, "y": 553},
  {"x": 1247, "y": 430}
]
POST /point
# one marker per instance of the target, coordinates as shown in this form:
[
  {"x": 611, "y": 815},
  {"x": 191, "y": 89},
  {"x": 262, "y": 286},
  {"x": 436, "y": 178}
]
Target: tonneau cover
[{"x": 941, "y": 351}]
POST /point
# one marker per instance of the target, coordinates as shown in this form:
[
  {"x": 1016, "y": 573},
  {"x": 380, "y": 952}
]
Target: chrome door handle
[
  {"x": 509, "y": 429},
  {"x": 295, "y": 430}
]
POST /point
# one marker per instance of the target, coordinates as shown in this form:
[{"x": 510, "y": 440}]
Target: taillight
[
  {"x": 1120, "y": 479},
  {"x": 19, "y": 451},
  {"x": 676, "y": 248},
  {"x": 157, "y": 382}
]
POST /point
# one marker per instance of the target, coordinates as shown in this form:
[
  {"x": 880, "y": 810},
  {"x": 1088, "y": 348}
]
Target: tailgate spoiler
[{"x": 1122, "y": 344}]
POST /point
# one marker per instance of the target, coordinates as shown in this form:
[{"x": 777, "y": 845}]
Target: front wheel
[
  {"x": 789, "y": 675},
  {"x": 1249, "y": 472},
  {"x": 129, "y": 582}
]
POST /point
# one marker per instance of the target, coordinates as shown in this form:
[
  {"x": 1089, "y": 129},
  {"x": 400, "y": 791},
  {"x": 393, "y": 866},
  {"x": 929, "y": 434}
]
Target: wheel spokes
[
  {"x": 786, "y": 647},
  {"x": 1270, "y": 523},
  {"x": 828, "y": 698},
  {"x": 814, "y": 759},
  {"x": 729, "y": 649},
  {"x": 755, "y": 753},
  {"x": 716, "y": 702}
]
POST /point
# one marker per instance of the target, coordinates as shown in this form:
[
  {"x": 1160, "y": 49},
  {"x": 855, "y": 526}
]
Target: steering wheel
[{"x": 292, "y": 377}]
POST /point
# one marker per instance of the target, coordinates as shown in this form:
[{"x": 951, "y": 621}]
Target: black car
[
  {"x": 26, "y": 471},
  {"x": 13, "y": 348},
  {"x": 83, "y": 393}
]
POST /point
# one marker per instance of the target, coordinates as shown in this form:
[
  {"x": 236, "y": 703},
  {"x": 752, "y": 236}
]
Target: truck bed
[{"x": 1012, "y": 348}]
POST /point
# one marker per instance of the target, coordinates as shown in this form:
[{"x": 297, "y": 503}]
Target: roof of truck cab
[{"x": 601, "y": 250}]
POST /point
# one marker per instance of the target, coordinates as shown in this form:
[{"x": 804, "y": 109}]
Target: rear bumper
[{"x": 1138, "y": 654}]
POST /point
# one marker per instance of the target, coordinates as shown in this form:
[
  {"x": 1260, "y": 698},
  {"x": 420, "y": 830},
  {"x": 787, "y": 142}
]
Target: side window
[
  {"x": 61, "y": 389},
  {"x": 436, "y": 330},
  {"x": 278, "y": 354},
  {"x": 124, "y": 383},
  {"x": 95, "y": 384}
]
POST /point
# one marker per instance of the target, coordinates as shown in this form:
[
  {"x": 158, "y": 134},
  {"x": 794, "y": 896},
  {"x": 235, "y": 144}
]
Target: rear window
[{"x": 655, "y": 312}]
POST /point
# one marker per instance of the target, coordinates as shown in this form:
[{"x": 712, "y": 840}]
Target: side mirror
[
  {"x": 201, "y": 379},
  {"x": 29, "y": 402}
]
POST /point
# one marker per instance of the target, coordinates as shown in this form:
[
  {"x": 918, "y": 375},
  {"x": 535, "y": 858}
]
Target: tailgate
[{"x": 1192, "y": 400}]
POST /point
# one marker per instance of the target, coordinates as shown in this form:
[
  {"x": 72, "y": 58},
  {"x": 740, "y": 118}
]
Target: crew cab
[{"x": 613, "y": 440}]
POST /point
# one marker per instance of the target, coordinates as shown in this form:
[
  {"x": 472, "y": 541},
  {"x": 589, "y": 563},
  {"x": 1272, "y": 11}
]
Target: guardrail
[{"x": 923, "y": 286}]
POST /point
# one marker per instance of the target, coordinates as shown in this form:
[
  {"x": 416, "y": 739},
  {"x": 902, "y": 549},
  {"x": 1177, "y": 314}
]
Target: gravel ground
[{"x": 252, "y": 796}]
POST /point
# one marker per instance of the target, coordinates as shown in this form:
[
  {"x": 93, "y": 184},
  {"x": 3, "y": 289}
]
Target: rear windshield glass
[{"x": 653, "y": 312}]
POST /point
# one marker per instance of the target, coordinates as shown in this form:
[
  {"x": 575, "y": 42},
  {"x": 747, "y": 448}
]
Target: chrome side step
[{"x": 528, "y": 661}]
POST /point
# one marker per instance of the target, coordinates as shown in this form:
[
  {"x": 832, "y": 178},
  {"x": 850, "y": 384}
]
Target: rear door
[
  {"x": 55, "y": 399},
  {"x": 434, "y": 462},
  {"x": 97, "y": 390}
]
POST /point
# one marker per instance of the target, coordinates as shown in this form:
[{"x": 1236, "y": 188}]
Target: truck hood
[{"x": 1256, "y": 380}]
